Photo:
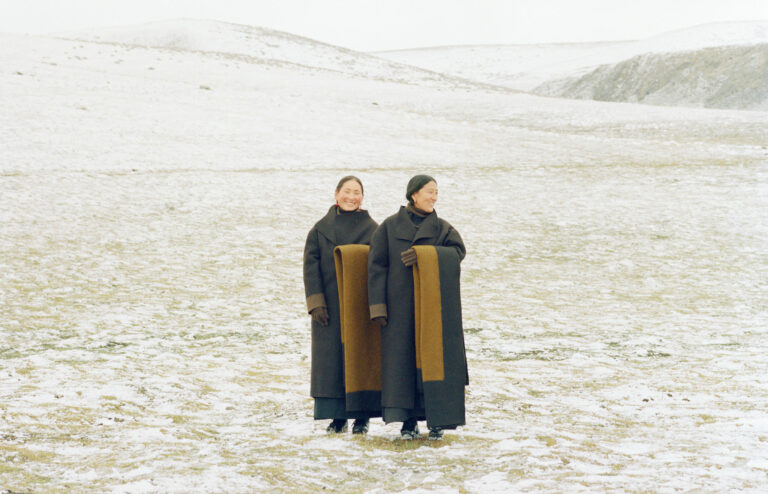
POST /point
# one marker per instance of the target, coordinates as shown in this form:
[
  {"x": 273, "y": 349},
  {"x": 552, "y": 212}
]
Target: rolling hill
[
  {"x": 695, "y": 62},
  {"x": 734, "y": 77}
]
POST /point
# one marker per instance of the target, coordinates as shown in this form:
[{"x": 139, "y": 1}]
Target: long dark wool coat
[
  {"x": 441, "y": 359},
  {"x": 390, "y": 294},
  {"x": 321, "y": 290}
]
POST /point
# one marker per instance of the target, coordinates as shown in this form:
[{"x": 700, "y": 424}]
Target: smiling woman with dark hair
[
  {"x": 345, "y": 223},
  {"x": 395, "y": 250}
]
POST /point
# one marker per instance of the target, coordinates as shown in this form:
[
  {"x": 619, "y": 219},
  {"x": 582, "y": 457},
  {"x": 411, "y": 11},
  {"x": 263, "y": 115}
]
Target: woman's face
[
  {"x": 426, "y": 197},
  {"x": 350, "y": 196}
]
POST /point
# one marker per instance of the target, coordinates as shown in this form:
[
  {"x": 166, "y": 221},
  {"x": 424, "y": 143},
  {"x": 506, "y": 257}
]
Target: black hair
[
  {"x": 415, "y": 184},
  {"x": 347, "y": 179}
]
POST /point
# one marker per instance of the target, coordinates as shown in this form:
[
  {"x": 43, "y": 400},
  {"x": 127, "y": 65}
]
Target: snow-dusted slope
[
  {"x": 257, "y": 43},
  {"x": 723, "y": 77},
  {"x": 201, "y": 109},
  {"x": 524, "y": 67},
  {"x": 520, "y": 67},
  {"x": 707, "y": 35}
]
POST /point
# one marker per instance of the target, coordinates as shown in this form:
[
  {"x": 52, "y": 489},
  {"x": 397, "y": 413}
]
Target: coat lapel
[
  {"x": 404, "y": 229},
  {"x": 326, "y": 225},
  {"x": 429, "y": 228}
]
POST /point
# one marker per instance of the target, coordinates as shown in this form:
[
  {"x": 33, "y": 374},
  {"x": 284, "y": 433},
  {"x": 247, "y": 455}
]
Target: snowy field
[{"x": 153, "y": 338}]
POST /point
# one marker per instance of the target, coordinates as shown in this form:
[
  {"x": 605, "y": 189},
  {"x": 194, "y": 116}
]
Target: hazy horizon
[{"x": 368, "y": 26}]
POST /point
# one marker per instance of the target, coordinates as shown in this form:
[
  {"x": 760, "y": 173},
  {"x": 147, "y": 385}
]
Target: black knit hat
[{"x": 415, "y": 184}]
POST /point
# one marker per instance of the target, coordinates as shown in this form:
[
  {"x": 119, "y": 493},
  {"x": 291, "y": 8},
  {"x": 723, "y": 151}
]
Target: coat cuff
[
  {"x": 315, "y": 301},
  {"x": 378, "y": 310}
]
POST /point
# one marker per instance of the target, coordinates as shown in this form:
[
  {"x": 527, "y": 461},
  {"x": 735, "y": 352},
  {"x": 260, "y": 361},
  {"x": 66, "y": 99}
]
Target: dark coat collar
[
  {"x": 404, "y": 229},
  {"x": 326, "y": 225}
]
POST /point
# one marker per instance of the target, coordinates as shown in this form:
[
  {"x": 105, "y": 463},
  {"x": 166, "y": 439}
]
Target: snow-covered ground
[{"x": 153, "y": 208}]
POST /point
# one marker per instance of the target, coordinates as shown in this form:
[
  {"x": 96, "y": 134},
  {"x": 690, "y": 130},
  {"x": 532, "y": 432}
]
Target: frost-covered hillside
[
  {"x": 154, "y": 203},
  {"x": 181, "y": 109},
  {"x": 707, "y": 36},
  {"x": 525, "y": 67},
  {"x": 195, "y": 109},
  {"x": 236, "y": 41},
  {"x": 519, "y": 67},
  {"x": 725, "y": 77}
]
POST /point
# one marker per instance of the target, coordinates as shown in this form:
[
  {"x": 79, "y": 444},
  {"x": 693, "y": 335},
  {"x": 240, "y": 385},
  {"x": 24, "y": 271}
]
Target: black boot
[
  {"x": 435, "y": 434},
  {"x": 360, "y": 426},
  {"x": 410, "y": 430},
  {"x": 337, "y": 426}
]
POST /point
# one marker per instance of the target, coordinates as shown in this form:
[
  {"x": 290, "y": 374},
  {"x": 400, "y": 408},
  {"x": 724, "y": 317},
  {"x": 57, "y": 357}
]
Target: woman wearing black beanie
[{"x": 391, "y": 300}]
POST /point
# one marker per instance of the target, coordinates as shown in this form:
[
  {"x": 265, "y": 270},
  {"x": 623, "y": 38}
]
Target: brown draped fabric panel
[{"x": 360, "y": 337}]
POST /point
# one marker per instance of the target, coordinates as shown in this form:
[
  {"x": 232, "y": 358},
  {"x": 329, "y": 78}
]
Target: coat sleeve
[
  {"x": 313, "y": 276},
  {"x": 453, "y": 239},
  {"x": 378, "y": 266}
]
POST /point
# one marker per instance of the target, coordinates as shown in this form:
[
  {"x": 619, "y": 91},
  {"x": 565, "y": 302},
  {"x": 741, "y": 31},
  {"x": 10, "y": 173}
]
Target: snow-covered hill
[
  {"x": 214, "y": 109},
  {"x": 519, "y": 67},
  {"x": 225, "y": 109},
  {"x": 706, "y": 36},
  {"x": 524, "y": 67},
  {"x": 236, "y": 41},
  {"x": 722, "y": 77}
]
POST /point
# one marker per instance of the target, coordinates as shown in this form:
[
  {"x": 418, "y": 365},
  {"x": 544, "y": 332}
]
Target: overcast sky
[{"x": 392, "y": 24}]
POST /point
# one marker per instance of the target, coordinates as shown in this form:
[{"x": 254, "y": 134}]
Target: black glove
[
  {"x": 381, "y": 321},
  {"x": 320, "y": 315},
  {"x": 408, "y": 257}
]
